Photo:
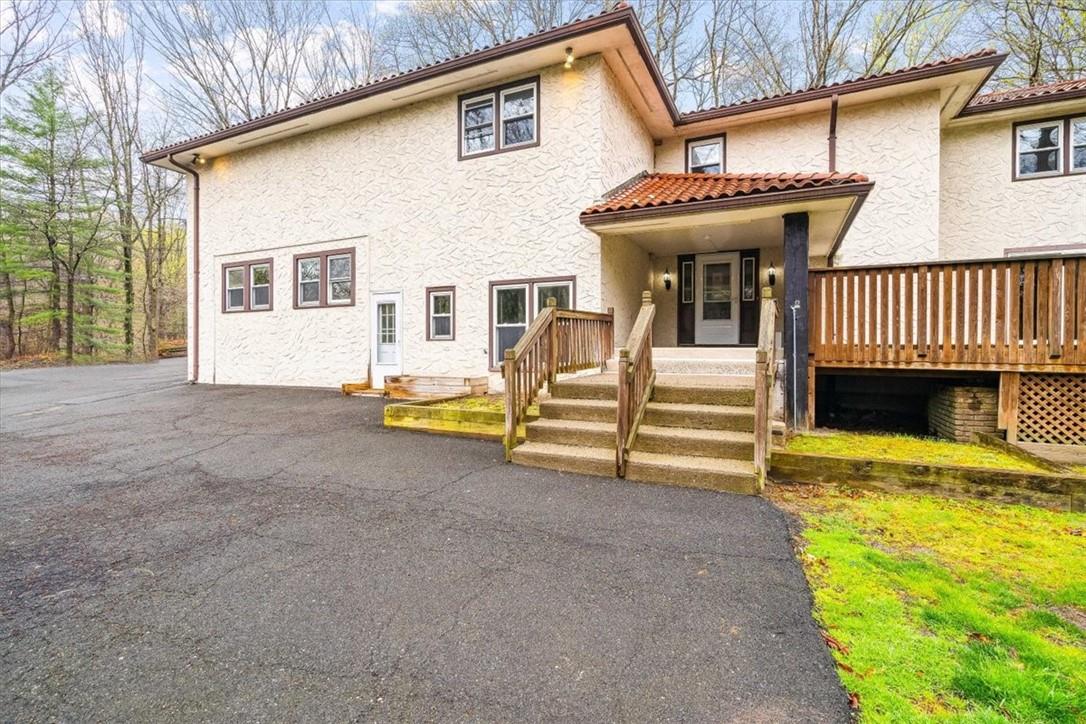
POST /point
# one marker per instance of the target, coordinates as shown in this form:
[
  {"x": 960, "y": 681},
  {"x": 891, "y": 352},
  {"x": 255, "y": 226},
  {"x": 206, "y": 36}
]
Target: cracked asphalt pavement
[{"x": 180, "y": 552}]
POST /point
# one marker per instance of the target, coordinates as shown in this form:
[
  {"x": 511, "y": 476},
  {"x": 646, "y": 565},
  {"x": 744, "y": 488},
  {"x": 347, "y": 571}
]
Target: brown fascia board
[
  {"x": 734, "y": 202},
  {"x": 843, "y": 88},
  {"x": 1023, "y": 102},
  {"x": 622, "y": 16}
]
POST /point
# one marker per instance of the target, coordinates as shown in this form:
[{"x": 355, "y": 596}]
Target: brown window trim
[
  {"x": 452, "y": 316},
  {"x": 723, "y": 150},
  {"x": 1065, "y": 135},
  {"x": 530, "y": 282},
  {"x": 246, "y": 266},
  {"x": 323, "y": 256},
  {"x": 495, "y": 93}
]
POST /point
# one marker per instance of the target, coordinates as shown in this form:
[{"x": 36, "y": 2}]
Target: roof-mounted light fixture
[
  {"x": 569, "y": 58},
  {"x": 198, "y": 160}
]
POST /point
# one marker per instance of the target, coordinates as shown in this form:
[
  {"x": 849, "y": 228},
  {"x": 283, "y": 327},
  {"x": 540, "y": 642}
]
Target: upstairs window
[
  {"x": 705, "y": 155},
  {"x": 1054, "y": 147},
  {"x": 499, "y": 119},
  {"x": 247, "y": 286},
  {"x": 324, "y": 279}
]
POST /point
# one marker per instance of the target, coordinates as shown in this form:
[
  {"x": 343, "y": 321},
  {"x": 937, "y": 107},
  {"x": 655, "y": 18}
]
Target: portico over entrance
[{"x": 708, "y": 243}]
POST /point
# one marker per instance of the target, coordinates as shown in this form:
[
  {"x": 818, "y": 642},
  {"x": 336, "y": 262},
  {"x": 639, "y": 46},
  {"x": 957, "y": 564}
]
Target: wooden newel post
[
  {"x": 509, "y": 372},
  {"x": 646, "y": 298},
  {"x": 552, "y": 343},
  {"x": 608, "y": 339},
  {"x": 623, "y": 418}
]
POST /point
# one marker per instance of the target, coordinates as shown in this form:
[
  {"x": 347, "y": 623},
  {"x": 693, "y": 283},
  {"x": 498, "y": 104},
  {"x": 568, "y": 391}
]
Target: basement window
[
  {"x": 440, "y": 307},
  {"x": 247, "y": 286},
  {"x": 324, "y": 279}
]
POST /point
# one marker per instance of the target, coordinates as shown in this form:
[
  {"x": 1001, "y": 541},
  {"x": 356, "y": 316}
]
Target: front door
[
  {"x": 386, "y": 339},
  {"x": 716, "y": 298}
]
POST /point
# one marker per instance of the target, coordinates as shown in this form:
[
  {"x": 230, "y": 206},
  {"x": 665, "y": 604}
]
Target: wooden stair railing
[
  {"x": 557, "y": 341},
  {"x": 765, "y": 373},
  {"x": 636, "y": 377}
]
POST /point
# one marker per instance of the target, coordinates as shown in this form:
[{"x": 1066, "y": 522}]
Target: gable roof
[
  {"x": 656, "y": 190},
  {"x": 986, "y": 58},
  {"x": 1016, "y": 97}
]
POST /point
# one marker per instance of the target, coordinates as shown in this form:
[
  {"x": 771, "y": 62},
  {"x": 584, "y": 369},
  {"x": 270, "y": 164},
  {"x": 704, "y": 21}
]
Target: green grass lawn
[
  {"x": 904, "y": 448},
  {"x": 948, "y": 610}
]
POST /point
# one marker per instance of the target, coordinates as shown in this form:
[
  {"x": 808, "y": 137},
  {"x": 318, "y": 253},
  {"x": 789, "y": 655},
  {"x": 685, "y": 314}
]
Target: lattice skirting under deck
[{"x": 1052, "y": 409}]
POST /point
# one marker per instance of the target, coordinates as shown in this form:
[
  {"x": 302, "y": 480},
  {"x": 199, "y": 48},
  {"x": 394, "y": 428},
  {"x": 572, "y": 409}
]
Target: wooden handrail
[
  {"x": 1008, "y": 314},
  {"x": 765, "y": 373},
  {"x": 557, "y": 341},
  {"x": 636, "y": 379}
]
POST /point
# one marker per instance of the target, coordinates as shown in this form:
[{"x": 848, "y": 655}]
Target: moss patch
[
  {"x": 940, "y": 609},
  {"x": 904, "y": 448}
]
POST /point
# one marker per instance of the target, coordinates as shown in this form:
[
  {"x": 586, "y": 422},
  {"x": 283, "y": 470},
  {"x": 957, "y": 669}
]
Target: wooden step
[
  {"x": 567, "y": 458},
  {"x": 573, "y": 432},
  {"x": 728, "y": 444},
  {"x": 735, "y": 476},
  {"x": 594, "y": 410},
  {"x": 705, "y": 417}
]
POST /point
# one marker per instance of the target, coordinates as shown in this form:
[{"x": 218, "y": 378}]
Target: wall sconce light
[
  {"x": 569, "y": 58},
  {"x": 667, "y": 279},
  {"x": 198, "y": 160},
  {"x": 771, "y": 275}
]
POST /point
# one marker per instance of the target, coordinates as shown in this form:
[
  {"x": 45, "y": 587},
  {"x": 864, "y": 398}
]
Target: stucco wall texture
[
  {"x": 390, "y": 186},
  {"x": 984, "y": 212}
]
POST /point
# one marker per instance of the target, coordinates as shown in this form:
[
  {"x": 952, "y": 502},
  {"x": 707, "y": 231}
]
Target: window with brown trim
[
  {"x": 1049, "y": 147},
  {"x": 440, "y": 313},
  {"x": 324, "y": 279},
  {"x": 514, "y": 303},
  {"x": 705, "y": 155},
  {"x": 499, "y": 119},
  {"x": 247, "y": 286}
]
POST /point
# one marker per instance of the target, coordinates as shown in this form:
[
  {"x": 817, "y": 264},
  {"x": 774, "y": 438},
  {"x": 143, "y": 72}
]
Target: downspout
[
  {"x": 833, "y": 134},
  {"x": 196, "y": 267}
]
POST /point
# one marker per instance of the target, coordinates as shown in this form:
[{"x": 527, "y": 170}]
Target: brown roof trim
[
  {"x": 1069, "y": 95},
  {"x": 984, "y": 59},
  {"x": 767, "y": 198},
  {"x": 623, "y": 15}
]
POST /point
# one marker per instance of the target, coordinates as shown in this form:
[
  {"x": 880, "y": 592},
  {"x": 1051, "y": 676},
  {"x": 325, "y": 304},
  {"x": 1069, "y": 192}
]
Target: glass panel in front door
[
  {"x": 386, "y": 333},
  {"x": 716, "y": 290}
]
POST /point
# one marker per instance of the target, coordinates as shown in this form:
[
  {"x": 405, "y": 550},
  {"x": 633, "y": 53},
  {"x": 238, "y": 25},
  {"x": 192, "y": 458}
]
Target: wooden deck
[{"x": 1020, "y": 315}]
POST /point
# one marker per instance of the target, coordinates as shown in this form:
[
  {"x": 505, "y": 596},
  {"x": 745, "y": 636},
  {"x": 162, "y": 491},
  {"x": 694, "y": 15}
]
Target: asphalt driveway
[{"x": 170, "y": 551}]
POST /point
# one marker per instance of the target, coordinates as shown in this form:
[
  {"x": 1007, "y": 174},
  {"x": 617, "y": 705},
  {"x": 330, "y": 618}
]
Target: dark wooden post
[{"x": 796, "y": 253}]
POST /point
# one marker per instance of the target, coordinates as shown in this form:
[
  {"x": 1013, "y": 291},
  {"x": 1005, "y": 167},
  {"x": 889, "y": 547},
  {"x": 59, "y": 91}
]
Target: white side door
[
  {"x": 716, "y": 298},
  {"x": 386, "y": 337}
]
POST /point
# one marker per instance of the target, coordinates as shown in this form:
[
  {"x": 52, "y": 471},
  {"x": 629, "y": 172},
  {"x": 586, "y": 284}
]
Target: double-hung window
[
  {"x": 514, "y": 304},
  {"x": 499, "y": 119},
  {"x": 324, "y": 279},
  {"x": 705, "y": 155},
  {"x": 440, "y": 311},
  {"x": 1055, "y": 147},
  {"x": 247, "y": 286}
]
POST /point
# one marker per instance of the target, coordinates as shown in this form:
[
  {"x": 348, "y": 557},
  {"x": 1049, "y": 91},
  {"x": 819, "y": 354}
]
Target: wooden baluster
[
  {"x": 1055, "y": 309},
  {"x": 922, "y": 303},
  {"x": 623, "y": 411}
]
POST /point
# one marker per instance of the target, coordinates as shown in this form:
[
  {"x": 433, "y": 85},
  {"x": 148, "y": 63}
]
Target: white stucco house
[{"x": 417, "y": 223}]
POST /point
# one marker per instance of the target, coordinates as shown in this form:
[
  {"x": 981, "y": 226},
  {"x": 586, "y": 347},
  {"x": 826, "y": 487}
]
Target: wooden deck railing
[
  {"x": 765, "y": 375},
  {"x": 1026, "y": 314},
  {"x": 557, "y": 341},
  {"x": 636, "y": 377}
]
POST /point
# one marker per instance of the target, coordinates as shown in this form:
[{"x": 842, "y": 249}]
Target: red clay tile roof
[
  {"x": 667, "y": 189},
  {"x": 848, "y": 86},
  {"x": 1047, "y": 92}
]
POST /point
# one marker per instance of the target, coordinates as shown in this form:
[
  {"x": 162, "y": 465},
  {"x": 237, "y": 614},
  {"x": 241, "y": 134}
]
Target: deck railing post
[
  {"x": 509, "y": 372},
  {"x": 552, "y": 341}
]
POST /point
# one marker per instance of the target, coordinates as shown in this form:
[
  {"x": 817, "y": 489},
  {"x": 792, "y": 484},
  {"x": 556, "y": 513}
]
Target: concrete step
[
  {"x": 568, "y": 458},
  {"x": 727, "y": 444},
  {"x": 704, "y": 390},
  {"x": 573, "y": 432},
  {"x": 596, "y": 387},
  {"x": 735, "y": 476},
  {"x": 565, "y": 409},
  {"x": 704, "y": 417},
  {"x": 703, "y": 366}
]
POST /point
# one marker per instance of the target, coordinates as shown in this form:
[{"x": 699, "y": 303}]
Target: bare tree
[
  {"x": 909, "y": 32},
  {"x": 1046, "y": 38},
  {"x": 26, "y": 39},
  {"x": 827, "y": 28}
]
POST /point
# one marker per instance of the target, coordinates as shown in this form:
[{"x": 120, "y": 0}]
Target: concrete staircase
[{"x": 697, "y": 431}]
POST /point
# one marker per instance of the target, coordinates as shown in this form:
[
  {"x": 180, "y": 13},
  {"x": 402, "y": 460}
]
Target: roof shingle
[
  {"x": 667, "y": 189},
  {"x": 1034, "y": 93}
]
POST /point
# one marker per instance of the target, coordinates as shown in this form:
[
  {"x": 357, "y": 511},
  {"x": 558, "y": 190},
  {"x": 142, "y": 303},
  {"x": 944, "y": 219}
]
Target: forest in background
[{"x": 92, "y": 242}]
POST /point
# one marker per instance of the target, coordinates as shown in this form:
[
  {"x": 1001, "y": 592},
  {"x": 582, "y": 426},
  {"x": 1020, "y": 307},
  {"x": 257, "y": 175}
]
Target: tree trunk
[
  {"x": 69, "y": 350},
  {"x": 7, "y": 325},
  {"x": 55, "y": 331},
  {"x": 129, "y": 294}
]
